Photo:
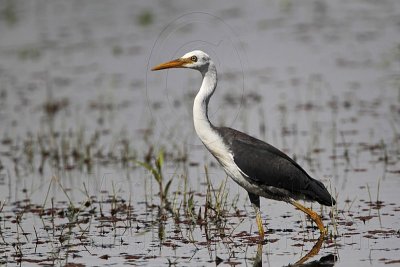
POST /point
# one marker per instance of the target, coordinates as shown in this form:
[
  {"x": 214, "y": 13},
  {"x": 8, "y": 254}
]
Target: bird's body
[
  {"x": 258, "y": 167},
  {"x": 269, "y": 172}
]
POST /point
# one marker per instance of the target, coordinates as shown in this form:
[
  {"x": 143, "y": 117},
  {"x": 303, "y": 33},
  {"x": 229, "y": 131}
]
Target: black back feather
[{"x": 267, "y": 165}]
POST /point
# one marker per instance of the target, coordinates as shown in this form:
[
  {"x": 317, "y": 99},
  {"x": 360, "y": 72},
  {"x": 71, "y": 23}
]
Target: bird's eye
[{"x": 193, "y": 58}]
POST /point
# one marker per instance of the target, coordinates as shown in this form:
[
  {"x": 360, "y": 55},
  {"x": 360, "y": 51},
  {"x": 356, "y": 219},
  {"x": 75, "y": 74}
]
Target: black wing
[{"x": 267, "y": 165}]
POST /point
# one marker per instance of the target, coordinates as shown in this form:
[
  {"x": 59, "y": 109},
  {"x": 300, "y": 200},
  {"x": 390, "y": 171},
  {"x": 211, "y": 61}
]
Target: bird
[{"x": 260, "y": 168}]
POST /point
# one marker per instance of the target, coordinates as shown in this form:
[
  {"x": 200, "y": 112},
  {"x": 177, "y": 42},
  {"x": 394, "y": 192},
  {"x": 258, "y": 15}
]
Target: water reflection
[
  {"x": 258, "y": 258},
  {"x": 328, "y": 260},
  {"x": 314, "y": 251}
]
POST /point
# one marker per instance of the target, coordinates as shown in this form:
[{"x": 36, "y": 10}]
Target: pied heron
[{"x": 261, "y": 169}]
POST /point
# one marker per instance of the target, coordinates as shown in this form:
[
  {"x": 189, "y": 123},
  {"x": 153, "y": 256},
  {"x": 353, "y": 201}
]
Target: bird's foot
[
  {"x": 314, "y": 216},
  {"x": 323, "y": 230}
]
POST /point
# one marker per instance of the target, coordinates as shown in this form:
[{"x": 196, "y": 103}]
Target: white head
[{"x": 196, "y": 59}]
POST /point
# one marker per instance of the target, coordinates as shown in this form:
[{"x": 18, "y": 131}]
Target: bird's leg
[
  {"x": 255, "y": 200},
  {"x": 259, "y": 222},
  {"x": 314, "y": 216}
]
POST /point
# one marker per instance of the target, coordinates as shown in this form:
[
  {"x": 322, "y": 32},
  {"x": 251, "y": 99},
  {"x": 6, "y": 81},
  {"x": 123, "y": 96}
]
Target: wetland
[{"x": 100, "y": 164}]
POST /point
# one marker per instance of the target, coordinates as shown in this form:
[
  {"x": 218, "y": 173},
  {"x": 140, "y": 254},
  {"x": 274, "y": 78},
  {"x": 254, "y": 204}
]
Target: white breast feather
[{"x": 221, "y": 152}]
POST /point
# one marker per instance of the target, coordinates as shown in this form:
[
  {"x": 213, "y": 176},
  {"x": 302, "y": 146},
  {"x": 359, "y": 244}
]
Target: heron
[{"x": 260, "y": 168}]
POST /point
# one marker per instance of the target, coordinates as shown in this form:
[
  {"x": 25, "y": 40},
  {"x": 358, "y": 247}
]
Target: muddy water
[{"x": 81, "y": 114}]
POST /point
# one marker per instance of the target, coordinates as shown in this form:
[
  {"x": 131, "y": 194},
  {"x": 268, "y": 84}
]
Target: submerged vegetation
[
  {"x": 99, "y": 194},
  {"x": 145, "y": 18},
  {"x": 70, "y": 226}
]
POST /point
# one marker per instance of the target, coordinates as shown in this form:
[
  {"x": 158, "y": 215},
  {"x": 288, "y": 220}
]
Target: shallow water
[{"x": 80, "y": 111}]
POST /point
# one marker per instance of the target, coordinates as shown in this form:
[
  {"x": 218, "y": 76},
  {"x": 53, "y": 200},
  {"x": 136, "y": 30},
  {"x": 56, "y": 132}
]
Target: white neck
[
  {"x": 208, "y": 134},
  {"x": 204, "y": 129},
  {"x": 202, "y": 124}
]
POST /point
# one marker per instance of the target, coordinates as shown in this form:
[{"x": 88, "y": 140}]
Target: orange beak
[{"x": 176, "y": 63}]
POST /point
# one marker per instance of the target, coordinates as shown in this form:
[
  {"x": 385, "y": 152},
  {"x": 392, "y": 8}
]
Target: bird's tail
[{"x": 321, "y": 194}]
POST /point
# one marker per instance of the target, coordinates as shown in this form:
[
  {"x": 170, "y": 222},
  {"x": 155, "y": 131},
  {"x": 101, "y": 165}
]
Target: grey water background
[{"x": 318, "y": 79}]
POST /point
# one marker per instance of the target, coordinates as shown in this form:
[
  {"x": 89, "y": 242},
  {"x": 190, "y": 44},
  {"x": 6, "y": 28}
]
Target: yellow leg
[
  {"x": 259, "y": 223},
  {"x": 314, "y": 216}
]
